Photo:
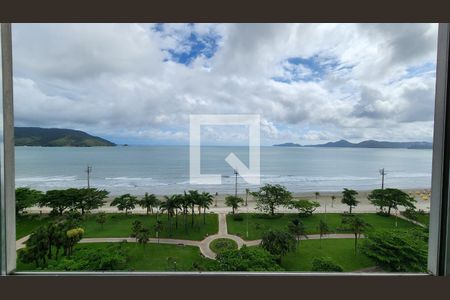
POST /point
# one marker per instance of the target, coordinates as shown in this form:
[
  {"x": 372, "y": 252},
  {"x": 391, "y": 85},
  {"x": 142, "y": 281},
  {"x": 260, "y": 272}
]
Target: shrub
[
  {"x": 325, "y": 264},
  {"x": 238, "y": 217}
]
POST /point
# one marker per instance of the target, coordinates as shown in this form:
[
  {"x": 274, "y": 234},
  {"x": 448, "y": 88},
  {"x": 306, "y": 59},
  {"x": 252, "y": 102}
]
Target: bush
[
  {"x": 398, "y": 250},
  {"x": 112, "y": 257},
  {"x": 238, "y": 217},
  {"x": 222, "y": 245},
  {"x": 245, "y": 259},
  {"x": 325, "y": 264}
]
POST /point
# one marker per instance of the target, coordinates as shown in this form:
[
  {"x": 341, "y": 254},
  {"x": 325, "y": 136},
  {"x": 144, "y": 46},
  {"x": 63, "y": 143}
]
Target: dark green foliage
[
  {"x": 72, "y": 198},
  {"x": 269, "y": 197},
  {"x": 101, "y": 218},
  {"x": 325, "y": 264},
  {"x": 349, "y": 198},
  {"x": 238, "y": 217},
  {"x": 112, "y": 257},
  {"x": 149, "y": 202},
  {"x": 222, "y": 245},
  {"x": 55, "y": 137},
  {"x": 278, "y": 242},
  {"x": 356, "y": 225},
  {"x": 297, "y": 229},
  {"x": 305, "y": 207},
  {"x": 390, "y": 199},
  {"x": 397, "y": 250},
  {"x": 26, "y": 197},
  {"x": 233, "y": 202},
  {"x": 245, "y": 259},
  {"x": 125, "y": 202}
]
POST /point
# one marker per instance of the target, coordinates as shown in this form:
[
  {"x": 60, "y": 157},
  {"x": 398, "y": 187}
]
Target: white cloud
[{"x": 114, "y": 79}]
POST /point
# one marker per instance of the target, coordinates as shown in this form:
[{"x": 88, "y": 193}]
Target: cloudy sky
[{"x": 310, "y": 83}]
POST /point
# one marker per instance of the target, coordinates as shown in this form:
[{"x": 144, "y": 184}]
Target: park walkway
[{"x": 204, "y": 245}]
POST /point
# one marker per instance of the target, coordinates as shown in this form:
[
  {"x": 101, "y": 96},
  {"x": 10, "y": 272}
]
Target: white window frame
[{"x": 439, "y": 242}]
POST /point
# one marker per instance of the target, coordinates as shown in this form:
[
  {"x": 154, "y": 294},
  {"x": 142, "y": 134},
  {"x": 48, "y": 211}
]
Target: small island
[{"x": 57, "y": 137}]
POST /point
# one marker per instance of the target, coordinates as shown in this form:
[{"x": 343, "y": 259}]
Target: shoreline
[{"x": 422, "y": 197}]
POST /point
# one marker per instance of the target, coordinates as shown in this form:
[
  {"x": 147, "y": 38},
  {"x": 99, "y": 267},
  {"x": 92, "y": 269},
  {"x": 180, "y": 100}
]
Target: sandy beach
[{"x": 422, "y": 197}]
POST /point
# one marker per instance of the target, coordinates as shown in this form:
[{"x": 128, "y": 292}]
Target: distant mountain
[
  {"x": 288, "y": 145},
  {"x": 56, "y": 137},
  {"x": 369, "y": 144}
]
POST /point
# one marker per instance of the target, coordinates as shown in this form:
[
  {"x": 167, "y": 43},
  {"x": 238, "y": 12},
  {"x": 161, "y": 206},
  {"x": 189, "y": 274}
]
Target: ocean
[{"x": 164, "y": 170}]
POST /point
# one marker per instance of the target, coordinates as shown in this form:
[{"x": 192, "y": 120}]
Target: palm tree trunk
[{"x": 204, "y": 215}]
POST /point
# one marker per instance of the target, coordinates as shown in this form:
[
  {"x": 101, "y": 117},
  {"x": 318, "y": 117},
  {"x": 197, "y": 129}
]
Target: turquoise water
[{"x": 165, "y": 169}]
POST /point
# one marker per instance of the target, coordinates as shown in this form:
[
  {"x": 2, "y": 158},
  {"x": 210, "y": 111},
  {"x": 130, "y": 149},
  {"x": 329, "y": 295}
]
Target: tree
[
  {"x": 101, "y": 218},
  {"x": 135, "y": 228},
  {"x": 333, "y": 197},
  {"x": 233, "y": 202},
  {"x": 323, "y": 230},
  {"x": 356, "y": 225},
  {"x": 124, "y": 202},
  {"x": 305, "y": 207},
  {"x": 271, "y": 196},
  {"x": 397, "y": 250},
  {"x": 26, "y": 197},
  {"x": 87, "y": 199},
  {"x": 73, "y": 237},
  {"x": 36, "y": 249},
  {"x": 247, "y": 191},
  {"x": 143, "y": 236},
  {"x": 297, "y": 229},
  {"x": 205, "y": 201},
  {"x": 158, "y": 227},
  {"x": 246, "y": 259},
  {"x": 149, "y": 202},
  {"x": 325, "y": 264},
  {"x": 58, "y": 200},
  {"x": 170, "y": 205},
  {"x": 193, "y": 198},
  {"x": 349, "y": 198},
  {"x": 317, "y": 194},
  {"x": 391, "y": 198},
  {"x": 278, "y": 243}
]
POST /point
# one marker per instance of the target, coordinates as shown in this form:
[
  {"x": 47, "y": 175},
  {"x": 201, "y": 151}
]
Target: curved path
[{"x": 204, "y": 245}]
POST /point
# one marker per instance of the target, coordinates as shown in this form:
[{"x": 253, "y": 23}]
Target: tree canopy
[
  {"x": 269, "y": 197},
  {"x": 305, "y": 207},
  {"x": 391, "y": 198},
  {"x": 349, "y": 198},
  {"x": 278, "y": 242},
  {"x": 246, "y": 259},
  {"x": 26, "y": 197}
]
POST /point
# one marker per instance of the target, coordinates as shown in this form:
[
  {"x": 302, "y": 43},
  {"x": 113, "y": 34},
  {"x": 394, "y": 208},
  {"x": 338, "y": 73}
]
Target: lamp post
[{"x": 236, "y": 173}]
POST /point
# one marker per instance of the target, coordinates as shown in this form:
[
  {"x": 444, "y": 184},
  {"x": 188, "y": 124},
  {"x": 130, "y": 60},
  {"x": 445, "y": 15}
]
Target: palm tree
[
  {"x": 185, "y": 203},
  {"x": 356, "y": 225},
  {"x": 323, "y": 229},
  {"x": 205, "y": 200},
  {"x": 233, "y": 202},
  {"x": 169, "y": 206},
  {"x": 333, "y": 197},
  {"x": 317, "y": 194},
  {"x": 149, "y": 202},
  {"x": 194, "y": 199}
]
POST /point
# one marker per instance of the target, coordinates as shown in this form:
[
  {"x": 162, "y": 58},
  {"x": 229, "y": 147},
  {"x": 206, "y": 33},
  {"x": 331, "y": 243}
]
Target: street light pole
[
  {"x": 382, "y": 173},
  {"x": 236, "y": 173},
  {"x": 88, "y": 171}
]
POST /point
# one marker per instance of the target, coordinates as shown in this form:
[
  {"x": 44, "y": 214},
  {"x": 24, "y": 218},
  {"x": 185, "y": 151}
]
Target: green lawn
[
  {"x": 119, "y": 225},
  {"x": 154, "y": 257},
  {"x": 26, "y": 224},
  {"x": 424, "y": 219},
  {"x": 258, "y": 224},
  {"x": 339, "y": 250}
]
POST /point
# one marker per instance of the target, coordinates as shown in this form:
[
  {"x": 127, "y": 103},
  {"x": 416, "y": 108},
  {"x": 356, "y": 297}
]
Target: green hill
[{"x": 56, "y": 137}]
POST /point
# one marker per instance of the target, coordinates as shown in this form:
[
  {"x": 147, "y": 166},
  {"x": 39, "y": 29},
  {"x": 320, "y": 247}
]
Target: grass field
[
  {"x": 154, "y": 257},
  {"x": 339, "y": 250},
  {"x": 28, "y": 223},
  {"x": 119, "y": 225},
  {"x": 424, "y": 219},
  {"x": 258, "y": 224}
]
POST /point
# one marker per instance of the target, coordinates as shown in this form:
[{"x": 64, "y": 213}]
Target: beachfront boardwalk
[{"x": 204, "y": 245}]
